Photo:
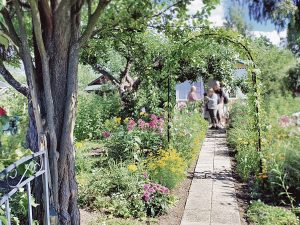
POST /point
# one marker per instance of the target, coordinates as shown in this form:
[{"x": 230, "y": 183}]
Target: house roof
[{"x": 100, "y": 80}]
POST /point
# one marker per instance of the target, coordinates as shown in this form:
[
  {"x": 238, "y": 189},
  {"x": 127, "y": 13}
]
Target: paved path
[{"x": 212, "y": 199}]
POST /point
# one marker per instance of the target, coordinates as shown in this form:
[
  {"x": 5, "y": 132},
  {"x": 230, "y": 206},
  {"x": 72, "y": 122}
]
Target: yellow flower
[
  {"x": 118, "y": 120},
  {"x": 132, "y": 168},
  {"x": 79, "y": 145},
  {"x": 142, "y": 113},
  {"x": 126, "y": 120}
]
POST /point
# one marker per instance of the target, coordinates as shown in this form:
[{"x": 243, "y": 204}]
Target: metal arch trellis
[
  {"x": 254, "y": 79},
  {"x": 14, "y": 182}
]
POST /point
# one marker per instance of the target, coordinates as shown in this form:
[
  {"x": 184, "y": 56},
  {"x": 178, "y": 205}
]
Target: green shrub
[
  {"x": 280, "y": 148},
  {"x": 114, "y": 189},
  {"x": 262, "y": 214},
  {"x": 187, "y": 133},
  {"x": 93, "y": 111}
]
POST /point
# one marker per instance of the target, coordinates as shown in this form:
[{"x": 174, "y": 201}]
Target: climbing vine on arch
[{"x": 232, "y": 42}]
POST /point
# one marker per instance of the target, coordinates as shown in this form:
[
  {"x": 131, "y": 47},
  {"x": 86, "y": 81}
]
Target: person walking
[
  {"x": 212, "y": 105},
  {"x": 221, "y": 96}
]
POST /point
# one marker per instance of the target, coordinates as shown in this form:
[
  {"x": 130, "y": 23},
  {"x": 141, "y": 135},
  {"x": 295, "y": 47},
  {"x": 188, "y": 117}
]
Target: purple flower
[
  {"x": 151, "y": 190},
  {"x": 106, "y": 134},
  {"x": 146, "y": 187}
]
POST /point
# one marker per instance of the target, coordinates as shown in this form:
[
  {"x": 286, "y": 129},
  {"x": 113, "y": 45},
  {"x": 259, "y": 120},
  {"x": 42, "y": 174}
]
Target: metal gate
[{"x": 19, "y": 176}]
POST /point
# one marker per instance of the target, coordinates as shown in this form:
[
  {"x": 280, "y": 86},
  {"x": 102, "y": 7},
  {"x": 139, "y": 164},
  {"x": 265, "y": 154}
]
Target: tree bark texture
[{"x": 56, "y": 51}]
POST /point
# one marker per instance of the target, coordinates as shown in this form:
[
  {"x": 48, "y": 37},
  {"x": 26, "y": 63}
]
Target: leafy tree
[
  {"x": 274, "y": 63},
  {"x": 281, "y": 13},
  {"x": 47, "y": 37},
  {"x": 235, "y": 20}
]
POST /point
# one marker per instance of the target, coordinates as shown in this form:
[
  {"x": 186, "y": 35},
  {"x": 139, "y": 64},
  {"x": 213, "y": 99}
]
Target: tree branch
[
  {"x": 105, "y": 73},
  {"x": 92, "y": 20},
  {"x": 11, "y": 29},
  {"x": 125, "y": 72},
  {"x": 168, "y": 8},
  {"x": 12, "y": 81},
  {"x": 227, "y": 38}
]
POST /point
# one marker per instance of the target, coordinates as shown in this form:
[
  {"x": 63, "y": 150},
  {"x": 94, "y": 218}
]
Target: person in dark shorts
[{"x": 212, "y": 105}]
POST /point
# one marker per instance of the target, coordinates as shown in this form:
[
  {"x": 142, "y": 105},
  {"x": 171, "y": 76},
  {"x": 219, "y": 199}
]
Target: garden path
[{"x": 212, "y": 197}]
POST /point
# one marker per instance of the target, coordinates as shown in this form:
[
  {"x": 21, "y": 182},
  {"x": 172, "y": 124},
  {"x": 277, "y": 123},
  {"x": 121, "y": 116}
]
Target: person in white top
[{"x": 212, "y": 106}]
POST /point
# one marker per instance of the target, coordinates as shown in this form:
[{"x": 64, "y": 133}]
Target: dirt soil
[{"x": 242, "y": 190}]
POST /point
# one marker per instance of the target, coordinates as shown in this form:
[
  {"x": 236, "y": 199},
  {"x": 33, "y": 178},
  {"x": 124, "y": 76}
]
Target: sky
[{"x": 217, "y": 18}]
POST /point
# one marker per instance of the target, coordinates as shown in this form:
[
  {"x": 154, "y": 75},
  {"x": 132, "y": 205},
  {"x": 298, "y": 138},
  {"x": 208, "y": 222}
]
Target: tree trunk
[
  {"x": 52, "y": 88},
  {"x": 60, "y": 57}
]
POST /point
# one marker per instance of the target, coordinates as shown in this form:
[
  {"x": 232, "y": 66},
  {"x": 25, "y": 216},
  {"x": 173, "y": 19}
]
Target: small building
[
  {"x": 183, "y": 89},
  {"x": 101, "y": 86}
]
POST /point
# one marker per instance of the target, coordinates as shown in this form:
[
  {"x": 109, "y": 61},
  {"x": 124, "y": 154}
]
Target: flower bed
[
  {"x": 278, "y": 180},
  {"x": 135, "y": 174}
]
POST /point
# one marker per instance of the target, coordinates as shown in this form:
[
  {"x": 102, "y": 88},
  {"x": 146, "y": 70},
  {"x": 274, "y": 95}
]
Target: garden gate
[{"x": 19, "y": 176}]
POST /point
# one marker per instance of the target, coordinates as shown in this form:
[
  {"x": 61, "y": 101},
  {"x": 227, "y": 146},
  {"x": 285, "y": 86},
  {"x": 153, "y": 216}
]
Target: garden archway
[{"x": 253, "y": 74}]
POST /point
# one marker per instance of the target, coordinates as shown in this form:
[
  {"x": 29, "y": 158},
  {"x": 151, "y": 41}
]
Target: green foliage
[
  {"x": 187, "y": 133},
  {"x": 93, "y": 110},
  {"x": 85, "y": 76},
  {"x": 292, "y": 79},
  {"x": 274, "y": 64},
  {"x": 262, "y": 214},
  {"x": 13, "y": 147},
  {"x": 115, "y": 189},
  {"x": 280, "y": 143},
  {"x": 236, "y": 21},
  {"x": 19, "y": 202},
  {"x": 167, "y": 168}
]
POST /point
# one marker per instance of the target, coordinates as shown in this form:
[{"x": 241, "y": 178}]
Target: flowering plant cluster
[
  {"x": 3, "y": 117},
  {"x": 288, "y": 121},
  {"x": 146, "y": 122},
  {"x": 157, "y": 199},
  {"x": 2, "y": 112},
  {"x": 151, "y": 189},
  {"x": 167, "y": 167},
  {"x": 292, "y": 122}
]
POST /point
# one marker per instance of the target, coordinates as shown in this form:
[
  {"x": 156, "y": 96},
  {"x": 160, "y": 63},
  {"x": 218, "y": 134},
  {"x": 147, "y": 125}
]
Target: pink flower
[
  {"x": 145, "y": 175},
  {"x": 106, "y": 134},
  {"x": 181, "y": 105},
  {"x": 165, "y": 190},
  {"x": 146, "y": 196},
  {"x": 153, "y": 117},
  {"x": 131, "y": 124},
  {"x": 142, "y": 124},
  {"x": 151, "y": 190},
  {"x": 285, "y": 121},
  {"x": 153, "y": 124},
  {"x": 2, "y": 112},
  {"x": 146, "y": 186}
]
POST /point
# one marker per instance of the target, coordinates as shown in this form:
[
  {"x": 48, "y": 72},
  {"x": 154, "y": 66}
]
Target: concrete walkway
[{"x": 212, "y": 199}]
